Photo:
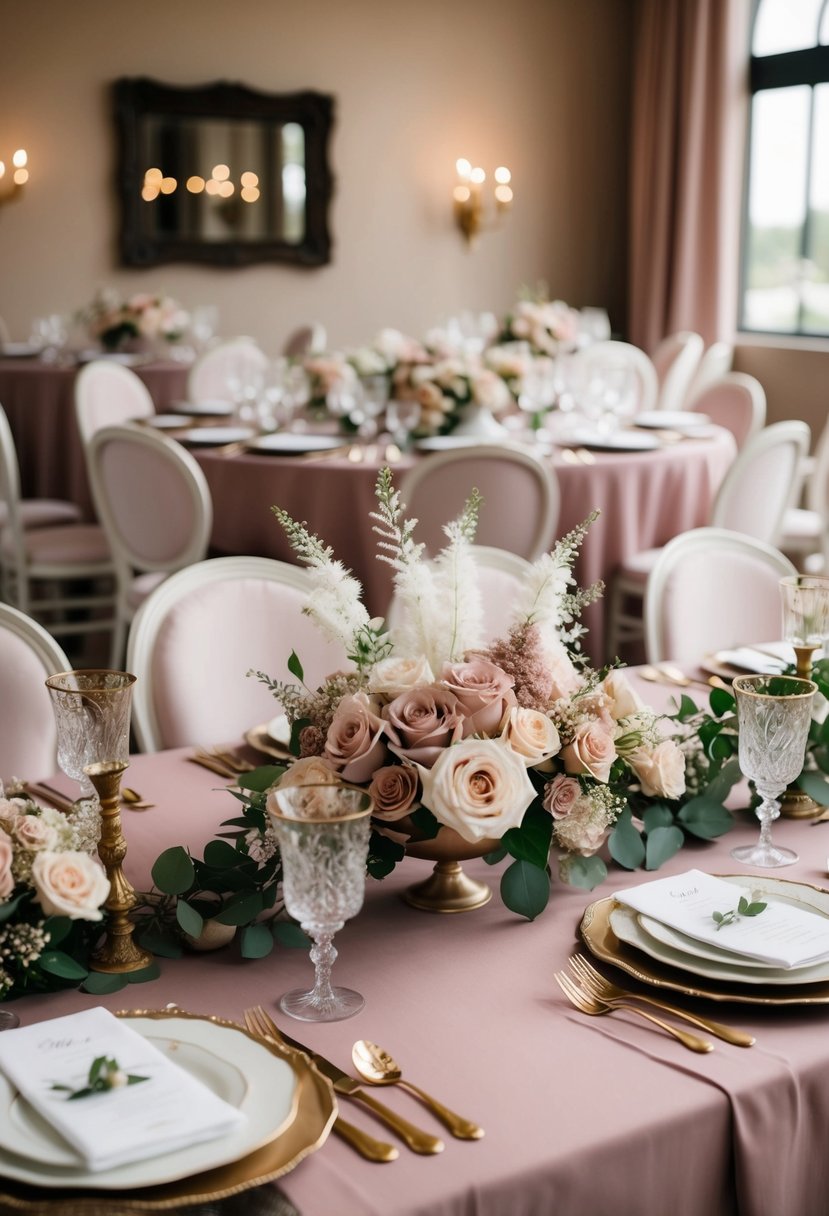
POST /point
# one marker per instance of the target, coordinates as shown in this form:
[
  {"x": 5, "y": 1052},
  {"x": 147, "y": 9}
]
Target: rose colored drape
[{"x": 689, "y": 118}]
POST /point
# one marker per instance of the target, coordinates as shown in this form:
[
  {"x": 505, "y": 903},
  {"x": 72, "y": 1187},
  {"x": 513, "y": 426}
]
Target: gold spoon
[
  {"x": 134, "y": 800},
  {"x": 377, "y": 1067}
]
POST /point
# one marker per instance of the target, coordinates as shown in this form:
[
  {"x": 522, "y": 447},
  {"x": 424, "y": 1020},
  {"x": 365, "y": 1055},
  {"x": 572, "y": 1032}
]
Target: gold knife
[{"x": 417, "y": 1140}]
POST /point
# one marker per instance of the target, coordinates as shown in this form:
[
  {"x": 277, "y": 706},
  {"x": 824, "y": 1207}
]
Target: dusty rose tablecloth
[
  {"x": 645, "y": 499},
  {"x": 38, "y": 398},
  {"x": 583, "y": 1117}
]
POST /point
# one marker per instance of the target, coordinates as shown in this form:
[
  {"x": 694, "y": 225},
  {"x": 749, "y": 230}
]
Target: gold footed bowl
[{"x": 447, "y": 889}]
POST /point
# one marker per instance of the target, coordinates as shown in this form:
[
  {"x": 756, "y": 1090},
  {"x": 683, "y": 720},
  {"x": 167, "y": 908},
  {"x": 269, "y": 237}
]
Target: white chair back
[
  {"x": 762, "y": 482},
  {"x": 305, "y": 340},
  {"x": 608, "y": 358},
  {"x": 676, "y": 360},
  {"x": 28, "y": 736},
  {"x": 715, "y": 362},
  {"x": 220, "y": 619},
  {"x": 735, "y": 401},
  {"x": 109, "y": 394},
  {"x": 521, "y": 497},
  {"x": 711, "y": 589},
  {"x": 222, "y": 372}
]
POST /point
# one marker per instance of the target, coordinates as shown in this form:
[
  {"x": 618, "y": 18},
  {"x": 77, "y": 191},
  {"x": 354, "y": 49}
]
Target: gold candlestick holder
[
  {"x": 795, "y": 802},
  {"x": 118, "y": 952}
]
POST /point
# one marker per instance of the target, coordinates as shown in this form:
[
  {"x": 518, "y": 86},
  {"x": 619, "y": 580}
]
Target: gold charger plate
[
  {"x": 602, "y": 942},
  {"x": 308, "y": 1131},
  {"x": 261, "y": 741}
]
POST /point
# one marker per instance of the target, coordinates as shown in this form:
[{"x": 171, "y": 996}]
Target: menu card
[
  {"x": 782, "y": 935},
  {"x": 169, "y": 1111}
]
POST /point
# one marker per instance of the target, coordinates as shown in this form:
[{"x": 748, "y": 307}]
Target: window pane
[
  {"x": 776, "y": 207},
  {"x": 816, "y": 276},
  {"x": 824, "y": 27},
  {"x": 785, "y": 25}
]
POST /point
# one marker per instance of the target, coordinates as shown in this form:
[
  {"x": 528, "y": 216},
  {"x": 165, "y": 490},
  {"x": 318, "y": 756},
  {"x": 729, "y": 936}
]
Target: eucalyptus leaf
[
  {"x": 58, "y": 928},
  {"x": 662, "y": 844},
  {"x": 100, "y": 983},
  {"x": 221, "y": 855},
  {"x": 260, "y": 779},
  {"x": 240, "y": 909},
  {"x": 256, "y": 941},
  {"x": 704, "y": 817},
  {"x": 288, "y": 933},
  {"x": 816, "y": 786},
  {"x": 144, "y": 975},
  {"x": 625, "y": 842},
  {"x": 159, "y": 943},
  {"x": 525, "y": 889},
  {"x": 722, "y": 702},
  {"x": 531, "y": 841},
  {"x": 586, "y": 872},
  {"x": 55, "y": 962},
  {"x": 8, "y": 910},
  {"x": 173, "y": 871},
  {"x": 657, "y": 815},
  {"x": 191, "y": 921},
  {"x": 720, "y": 786},
  {"x": 496, "y": 855}
]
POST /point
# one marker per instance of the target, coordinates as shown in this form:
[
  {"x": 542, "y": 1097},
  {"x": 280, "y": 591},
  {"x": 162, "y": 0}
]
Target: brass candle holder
[
  {"x": 805, "y": 602},
  {"x": 118, "y": 952}
]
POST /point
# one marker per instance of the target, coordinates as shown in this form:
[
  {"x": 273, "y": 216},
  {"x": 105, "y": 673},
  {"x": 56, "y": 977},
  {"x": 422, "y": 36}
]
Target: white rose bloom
[
  {"x": 622, "y": 697},
  {"x": 478, "y": 787},
  {"x": 531, "y": 734},
  {"x": 390, "y": 677},
  {"x": 661, "y": 770},
  {"x": 69, "y": 884}
]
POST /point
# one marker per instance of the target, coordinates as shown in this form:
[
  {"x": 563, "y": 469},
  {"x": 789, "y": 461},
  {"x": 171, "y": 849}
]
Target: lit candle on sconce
[
  {"x": 468, "y": 196},
  {"x": 11, "y": 186}
]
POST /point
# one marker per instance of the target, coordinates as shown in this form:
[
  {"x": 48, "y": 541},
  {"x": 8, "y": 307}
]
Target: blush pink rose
[
  {"x": 424, "y": 721},
  {"x": 10, "y": 812},
  {"x": 356, "y": 741},
  {"x": 69, "y": 884},
  {"x": 309, "y": 770},
  {"x": 479, "y": 787},
  {"x": 394, "y": 790},
  {"x": 6, "y": 857},
  {"x": 661, "y": 770},
  {"x": 484, "y": 691},
  {"x": 591, "y": 750},
  {"x": 561, "y": 795},
  {"x": 33, "y": 833},
  {"x": 531, "y": 734}
]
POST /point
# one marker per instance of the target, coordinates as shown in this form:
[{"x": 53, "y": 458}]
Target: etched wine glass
[
  {"x": 92, "y": 713},
  {"x": 323, "y": 833},
  {"x": 773, "y": 717}
]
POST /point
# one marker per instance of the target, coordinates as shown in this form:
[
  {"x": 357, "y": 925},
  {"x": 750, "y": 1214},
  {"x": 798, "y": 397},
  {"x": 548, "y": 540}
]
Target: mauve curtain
[{"x": 690, "y": 100}]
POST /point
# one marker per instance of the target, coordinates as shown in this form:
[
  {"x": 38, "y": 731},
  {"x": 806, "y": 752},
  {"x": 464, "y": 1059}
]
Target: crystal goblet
[
  {"x": 92, "y": 713},
  {"x": 323, "y": 833},
  {"x": 773, "y": 716},
  {"x": 805, "y": 601}
]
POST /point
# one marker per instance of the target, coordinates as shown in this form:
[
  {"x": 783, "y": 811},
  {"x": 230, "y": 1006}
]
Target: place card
[
  {"x": 782, "y": 935},
  {"x": 169, "y": 1111}
]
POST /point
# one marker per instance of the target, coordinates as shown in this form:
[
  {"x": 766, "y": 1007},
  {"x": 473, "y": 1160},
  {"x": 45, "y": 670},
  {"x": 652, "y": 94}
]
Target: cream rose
[
  {"x": 531, "y": 734},
  {"x": 391, "y": 677},
  {"x": 561, "y": 795},
  {"x": 478, "y": 787},
  {"x": 356, "y": 739},
  {"x": 623, "y": 700},
  {"x": 6, "y": 858},
  {"x": 484, "y": 691},
  {"x": 564, "y": 679},
  {"x": 11, "y": 810},
  {"x": 69, "y": 884},
  {"x": 394, "y": 790},
  {"x": 591, "y": 750},
  {"x": 33, "y": 833},
  {"x": 661, "y": 770},
  {"x": 310, "y": 770},
  {"x": 424, "y": 721}
]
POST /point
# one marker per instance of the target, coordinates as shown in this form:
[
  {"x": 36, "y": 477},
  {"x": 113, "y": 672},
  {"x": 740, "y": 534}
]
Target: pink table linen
[
  {"x": 38, "y": 398},
  {"x": 584, "y": 1117},
  {"x": 645, "y": 499}
]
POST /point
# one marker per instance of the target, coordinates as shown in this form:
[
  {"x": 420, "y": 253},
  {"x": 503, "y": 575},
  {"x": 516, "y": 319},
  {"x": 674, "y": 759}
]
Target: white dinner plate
[
  {"x": 295, "y": 444},
  {"x": 672, "y": 420},
  {"x": 235, "y": 1065},
  {"x": 625, "y": 923},
  {"x": 20, "y": 350},
  {"x": 213, "y": 436},
  {"x": 616, "y": 441},
  {"x": 444, "y": 443},
  {"x": 209, "y": 408},
  {"x": 166, "y": 422},
  {"x": 697, "y": 949}
]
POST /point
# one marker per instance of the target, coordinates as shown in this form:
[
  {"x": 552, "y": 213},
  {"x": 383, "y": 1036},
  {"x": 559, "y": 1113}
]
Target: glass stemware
[
  {"x": 323, "y": 833},
  {"x": 805, "y": 601},
  {"x": 92, "y": 713},
  {"x": 773, "y": 717}
]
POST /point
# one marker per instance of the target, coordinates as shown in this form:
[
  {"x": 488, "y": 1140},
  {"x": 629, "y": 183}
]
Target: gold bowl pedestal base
[
  {"x": 448, "y": 889},
  {"x": 795, "y": 804}
]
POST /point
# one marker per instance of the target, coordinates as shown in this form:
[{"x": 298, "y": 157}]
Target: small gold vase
[{"x": 447, "y": 889}]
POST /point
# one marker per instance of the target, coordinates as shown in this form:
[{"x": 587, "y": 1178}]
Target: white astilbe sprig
[
  {"x": 413, "y": 577},
  {"x": 458, "y": 623},
  {"x": 546, "y": 600}
]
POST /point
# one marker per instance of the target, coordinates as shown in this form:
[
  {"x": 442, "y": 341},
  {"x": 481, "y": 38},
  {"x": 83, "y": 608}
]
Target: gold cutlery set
[
  {"x": 375, "y": 1067},
  {"x": 669, "y": 673},
  {"x": 589, "y": 992},
  {"x": 224, "y": 762}
]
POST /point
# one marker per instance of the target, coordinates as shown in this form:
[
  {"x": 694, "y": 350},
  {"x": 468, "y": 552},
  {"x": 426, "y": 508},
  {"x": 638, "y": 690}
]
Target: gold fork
[
  {"x": 596, "y": 984},
  {"x": 227, "y": 756},
  {"x": 594, "y": 1007},
  {"x": 367, "y": 1146}
]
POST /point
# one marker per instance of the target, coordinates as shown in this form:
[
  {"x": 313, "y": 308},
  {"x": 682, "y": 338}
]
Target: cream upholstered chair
[
  {"x": 195, "y": 638},
  {"x": 520, "y": 497},
  {"x": 33, "y": 512},
  {"x": 305, "y": 340},
  {"x": 59, "y": 573},
  {"x": 735, "y": 401},
  {"x": 28, "y": 736},
  {"x": 591, "y": 361},
  {"x": 753, "y": 499},
  {"x": 676, "y": 360},
  {"x": 109, "y": 394},
  {"x": 805, "y": 534},
  {"x": 710, "y": 589},
  {"x": 154, "y": 505},
  {"x": 214, "y": 373},
  {"x": 716, "y": 361}
]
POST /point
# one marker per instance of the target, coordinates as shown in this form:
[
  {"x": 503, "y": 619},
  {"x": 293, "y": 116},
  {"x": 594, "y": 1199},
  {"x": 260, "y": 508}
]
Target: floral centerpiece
[
  {"x": 549, "y": 326},
  {"x": 515, "y": 747},
  {"x": 142, "y": 317},
  {"x": 448, "y": 388},
  {"x": 51, "y": 892}
]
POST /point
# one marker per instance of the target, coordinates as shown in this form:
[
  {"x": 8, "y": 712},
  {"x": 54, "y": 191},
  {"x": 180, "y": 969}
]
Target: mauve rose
[
  {"x": 33, "y": 833},
  {"x": 479, "y": 787},
  {"x": 69, "y": 884},
  {"x": 6, "y": 878},
  {"x": 484, "y": 691},
  {"x": 590, "y": 751},
  {"x": 531, "y": 734},
  {"x": 391, "y": 677},
  {"x": 394, "y": 790},
  {"x": 356, "y": 744},
  {"x": 561, "y": 795},
  {"x": 423, "y": 722},
  {"x": 309, "y": 770},
  {"x": 623, "y": 699},
  {"x": 661, "y": 770}
]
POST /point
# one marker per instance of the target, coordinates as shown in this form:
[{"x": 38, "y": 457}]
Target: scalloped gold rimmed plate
[
  {"x": 314, "y": 1112},
  {"x": 260, "y": 739},
  {"x": 597, "y": 934}
]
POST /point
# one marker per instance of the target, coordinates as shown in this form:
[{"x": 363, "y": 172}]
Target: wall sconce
[
  {"x": 468, "y": 195},
  {"x": 11, "y": 184}
]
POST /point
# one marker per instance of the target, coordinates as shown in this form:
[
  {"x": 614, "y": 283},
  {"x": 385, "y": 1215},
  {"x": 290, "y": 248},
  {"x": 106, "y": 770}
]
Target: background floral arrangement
[
  {"x": 114, "y": 321},
  {"x": 516, "y": 745}
]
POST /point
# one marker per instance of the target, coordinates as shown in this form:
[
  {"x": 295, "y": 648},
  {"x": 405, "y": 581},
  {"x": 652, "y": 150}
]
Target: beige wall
[
  {"x": 794, "y": 373},
  {"x": 541, "y": 85}
]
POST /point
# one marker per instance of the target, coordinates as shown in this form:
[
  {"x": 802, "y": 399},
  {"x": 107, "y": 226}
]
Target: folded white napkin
[
  {"x": 770, "y": 661},
  {"x": 782, "y": 934},
  {"x": 170, "y": 1111}
]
